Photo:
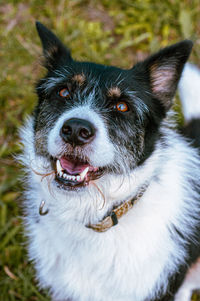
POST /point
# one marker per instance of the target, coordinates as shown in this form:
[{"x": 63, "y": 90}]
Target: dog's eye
[
  {"x": 64, "y": 93},
  {"x": 121, "y": 106}
]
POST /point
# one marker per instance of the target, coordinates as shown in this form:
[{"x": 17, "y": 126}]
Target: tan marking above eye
[
  {"x": 122, "y": 106},
  {"x": 114, "y": 92},
  {"x": 79, "y": 79},
  {"x": 64, "y": 93}
]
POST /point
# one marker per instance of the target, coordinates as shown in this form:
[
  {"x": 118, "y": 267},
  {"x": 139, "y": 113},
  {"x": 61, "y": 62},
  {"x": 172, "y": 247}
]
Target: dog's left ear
[
  {"x": 163, "y": 70},
  {"x": 53, "y": 49}
]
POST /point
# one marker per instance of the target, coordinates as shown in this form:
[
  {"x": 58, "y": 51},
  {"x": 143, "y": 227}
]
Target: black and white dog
[{"x": 113, "y": 190}]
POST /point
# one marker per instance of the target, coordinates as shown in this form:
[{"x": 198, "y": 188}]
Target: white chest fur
[
  {"x": 131, "y": 261},
  {"x": 128, "y": 262}
]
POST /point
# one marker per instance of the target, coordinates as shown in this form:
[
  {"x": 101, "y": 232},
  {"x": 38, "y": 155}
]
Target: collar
[{"x": 117, "y": 212}]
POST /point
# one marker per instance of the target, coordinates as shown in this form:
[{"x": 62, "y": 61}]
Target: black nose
[{"x": 77, "y": 131}]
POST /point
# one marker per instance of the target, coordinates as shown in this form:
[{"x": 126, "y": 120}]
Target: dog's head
[{"x": 92, "y": 120}]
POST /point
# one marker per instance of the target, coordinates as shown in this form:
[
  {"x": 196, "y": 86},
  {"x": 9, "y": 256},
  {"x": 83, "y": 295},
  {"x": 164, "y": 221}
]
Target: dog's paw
[{"x": 190, "y": 284}]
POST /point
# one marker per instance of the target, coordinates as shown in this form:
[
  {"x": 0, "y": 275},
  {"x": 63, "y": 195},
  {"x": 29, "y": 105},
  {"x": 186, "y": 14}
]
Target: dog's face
[{"x": 92, "y": 120}]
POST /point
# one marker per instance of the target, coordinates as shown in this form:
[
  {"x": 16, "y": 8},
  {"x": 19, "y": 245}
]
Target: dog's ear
[
  {"x": 163, "y": 70},
  {"x": 53, "y": 49}
]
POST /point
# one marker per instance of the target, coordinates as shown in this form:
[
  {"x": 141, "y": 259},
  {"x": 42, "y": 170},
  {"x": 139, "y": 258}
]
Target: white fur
[
  {"x": 131, "y": 261},
  {"x": 50, "y": 83},
  {"x": 189, "y": 91}
]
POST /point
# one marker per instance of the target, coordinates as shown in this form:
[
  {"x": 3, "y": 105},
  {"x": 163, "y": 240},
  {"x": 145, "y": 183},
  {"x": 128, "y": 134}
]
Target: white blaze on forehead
[{"x": 100, "y": 151}]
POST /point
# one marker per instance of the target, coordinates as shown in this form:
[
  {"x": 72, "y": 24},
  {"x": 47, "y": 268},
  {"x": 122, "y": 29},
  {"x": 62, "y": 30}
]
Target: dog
[{"x": 112, "y": 201}]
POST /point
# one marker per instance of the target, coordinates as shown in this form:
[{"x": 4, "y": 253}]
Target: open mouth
[{"x": 73, "y": 173}]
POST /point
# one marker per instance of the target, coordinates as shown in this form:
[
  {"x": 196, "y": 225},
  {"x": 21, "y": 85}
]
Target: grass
[{"x": 111, "y": 32}]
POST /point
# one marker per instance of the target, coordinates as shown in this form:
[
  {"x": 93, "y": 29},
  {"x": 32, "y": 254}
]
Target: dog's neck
[{"x": 112, "y": 218}]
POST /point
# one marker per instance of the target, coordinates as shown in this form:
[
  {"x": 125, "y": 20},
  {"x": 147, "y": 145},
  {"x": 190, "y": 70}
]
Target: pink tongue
[{"x": 72, "y": 167}]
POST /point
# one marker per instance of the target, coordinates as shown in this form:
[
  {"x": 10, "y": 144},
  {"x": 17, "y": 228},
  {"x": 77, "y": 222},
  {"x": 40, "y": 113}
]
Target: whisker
[
  {"x": 47, "y": 174},
  {"x": 43, "y": 175},
  {"x": 101, "y": 193}
]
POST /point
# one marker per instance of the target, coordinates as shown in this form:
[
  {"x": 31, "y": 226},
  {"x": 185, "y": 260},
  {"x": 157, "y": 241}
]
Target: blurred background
[{"x": 118, "y": 32}]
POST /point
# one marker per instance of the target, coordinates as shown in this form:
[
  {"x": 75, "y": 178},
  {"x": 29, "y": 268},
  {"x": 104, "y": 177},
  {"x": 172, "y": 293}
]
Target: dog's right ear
[{"x": 54, "y": 51}]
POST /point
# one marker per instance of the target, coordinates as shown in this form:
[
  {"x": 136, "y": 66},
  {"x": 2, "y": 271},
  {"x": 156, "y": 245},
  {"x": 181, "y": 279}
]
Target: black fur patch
[{"x": 191, "y": 130}]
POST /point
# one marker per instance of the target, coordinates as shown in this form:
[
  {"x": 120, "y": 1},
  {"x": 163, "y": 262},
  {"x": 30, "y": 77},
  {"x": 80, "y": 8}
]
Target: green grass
[{"x": 111, "y": 32}]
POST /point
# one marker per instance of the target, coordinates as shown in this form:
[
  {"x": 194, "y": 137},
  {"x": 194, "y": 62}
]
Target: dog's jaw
[
  {"x": 76, "y": 167},
  {"x": 71, "y": 173}
]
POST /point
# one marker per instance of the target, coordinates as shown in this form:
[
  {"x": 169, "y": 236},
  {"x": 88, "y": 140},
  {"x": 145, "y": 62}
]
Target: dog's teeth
[
  {"x": 78, "y": 178},
  {"x": 83, "y": 174},
  {"x": 59, "y": 167},
  {"x": 60, "y": 174},
  {"x": 64, "y": 175},
  {"x": 68, "y": 177}
]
